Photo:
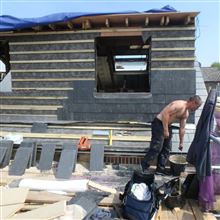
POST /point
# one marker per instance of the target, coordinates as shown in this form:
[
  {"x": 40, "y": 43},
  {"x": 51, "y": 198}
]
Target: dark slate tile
[
  {"x": 66, "y": 163},
  {"x": 9, "y": 146},
  {"x": 96, "y": 158},
  {"x": 47, "y": 155},
  {"x": 20, "y": 162}
]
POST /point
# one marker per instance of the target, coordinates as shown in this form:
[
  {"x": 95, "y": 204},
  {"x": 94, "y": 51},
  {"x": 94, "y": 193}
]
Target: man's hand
[
  {"x": 181, "y": 147},
  {"x": 166, "y": 134}
]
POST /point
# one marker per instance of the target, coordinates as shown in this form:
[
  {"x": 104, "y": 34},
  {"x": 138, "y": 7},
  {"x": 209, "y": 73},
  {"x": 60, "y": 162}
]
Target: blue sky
[{"x": 208, "y": 25}]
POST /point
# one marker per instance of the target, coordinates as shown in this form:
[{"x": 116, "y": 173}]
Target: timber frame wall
[{"x": 54, "y": 75}]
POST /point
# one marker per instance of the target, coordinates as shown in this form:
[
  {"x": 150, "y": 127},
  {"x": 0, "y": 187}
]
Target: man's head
[{"x": 194, "y": 103}]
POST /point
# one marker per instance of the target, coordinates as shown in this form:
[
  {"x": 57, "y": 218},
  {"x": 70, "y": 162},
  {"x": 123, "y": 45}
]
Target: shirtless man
[{"x": 160, "y": 146}]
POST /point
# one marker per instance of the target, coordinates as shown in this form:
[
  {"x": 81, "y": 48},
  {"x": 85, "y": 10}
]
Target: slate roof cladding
[{"x": 211, "y": 74}]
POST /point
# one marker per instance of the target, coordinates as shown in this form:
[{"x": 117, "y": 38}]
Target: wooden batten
[
  {"x": 35, "y": 97},
  {"x": 31, "y": 107},
  {"x": 146, "y": 21},
  {"x": 52, "y": 70},
  {"x": 162, "y": 20},
  {"x": 107, "y": 23},
  {"x": 187, "y": 20},
  {"x": 126, "y": 22},
  {"x": 78, "y": 136},
  {"x": 86, "y": 24},
  {"x": 52, "y": 27},
  {"x": 70, "y": 25},
  {"x": 167, "y": 20},
  {"x": 173, "y": 59},
  {"x": 173, "y": 49},
  {"x": 54, "y": 61},
  {"x": 44, "y": 88},
  {"x": 52, "y": 42},
  {"x": 50, "y": 211},
  {"x": 53, "y": 79},
  {"x": 37, "y": 28},
  {"x": 53, "y": 51}
]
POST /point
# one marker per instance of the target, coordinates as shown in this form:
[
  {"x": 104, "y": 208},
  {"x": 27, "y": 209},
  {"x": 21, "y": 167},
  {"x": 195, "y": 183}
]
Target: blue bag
[{"x": 135, "y": 209}]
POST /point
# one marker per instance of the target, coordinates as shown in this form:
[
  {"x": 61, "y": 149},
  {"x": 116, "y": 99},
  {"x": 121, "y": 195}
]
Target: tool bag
[{"x": 135, "y": 209}]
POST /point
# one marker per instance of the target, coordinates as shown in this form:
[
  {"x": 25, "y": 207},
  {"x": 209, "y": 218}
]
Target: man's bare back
[{"x": 174, "y": 112}]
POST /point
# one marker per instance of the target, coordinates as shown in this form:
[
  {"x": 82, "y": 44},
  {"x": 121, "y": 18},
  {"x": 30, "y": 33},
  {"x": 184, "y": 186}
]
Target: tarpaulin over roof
[{"x": 9, "y": 23}]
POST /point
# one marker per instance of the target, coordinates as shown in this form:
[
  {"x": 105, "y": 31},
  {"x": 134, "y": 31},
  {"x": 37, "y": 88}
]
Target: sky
[{"x": 207, "y": 24}]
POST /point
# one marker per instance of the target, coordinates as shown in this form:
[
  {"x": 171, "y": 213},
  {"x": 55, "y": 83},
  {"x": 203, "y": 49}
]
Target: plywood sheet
[
  {"x": 45, "y": 197},
  {"x": 9, "y": 210},
  {"x": 44, "y": 213},
  {"x": 10, "y": 196}
]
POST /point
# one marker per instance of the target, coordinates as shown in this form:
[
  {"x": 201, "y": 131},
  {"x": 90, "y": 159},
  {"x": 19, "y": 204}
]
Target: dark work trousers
[{"x": 159, "y": 146}]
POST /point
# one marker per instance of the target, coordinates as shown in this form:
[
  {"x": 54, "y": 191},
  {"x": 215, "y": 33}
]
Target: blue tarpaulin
[{"x": 10, "y": 23}]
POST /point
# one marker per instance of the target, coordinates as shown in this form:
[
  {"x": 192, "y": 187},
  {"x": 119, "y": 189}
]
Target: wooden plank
[
  {"x": 217, "y": 203},
  {"x": 31, "y": 107},
  {"x": 166, "y": 214},
  {"x": 11, "y": 196},
  {"x": 86, "y": 127},
  {"x": 77, "y": 136},
  {"x": 53, "y": 42},
  {"x": 29, "y": 115},
  {"x": 118, "y": 33},
  {"x": 173, "y": 49},
  {"x": 199, "y": 215},
  {"x": 52, "y": 70},
  {"x": 184, "y": 213},
  {"x": 54, "y": 61},
  {"x": 101, "y": 187},
  {"x": 52, "y": 51},
  {"x": 44, "y": 213},
  {"x": 111, "y": 200},
  {"x": 172, "y": 68},
  {"x": 35, "y": 97},
  {"x": 45, "y": 197},
  {"x": 158, "y": 214},
  {"x": 173, "y": 38},
  {"x": 173, "y": 59},
  {"x": 9, "y": 210},
  {"x": 42, "y": 89},
  {"x": 52, "y": 79}
]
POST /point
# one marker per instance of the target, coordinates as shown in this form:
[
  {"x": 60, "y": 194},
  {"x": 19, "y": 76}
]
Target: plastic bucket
[{"x": 177, "y": 164}]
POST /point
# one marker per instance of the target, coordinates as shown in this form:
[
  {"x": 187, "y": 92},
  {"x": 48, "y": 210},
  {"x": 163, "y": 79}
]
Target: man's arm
[{"x": 182, "y": 132}]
